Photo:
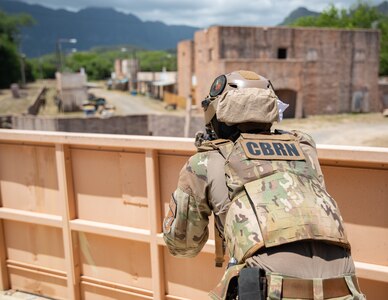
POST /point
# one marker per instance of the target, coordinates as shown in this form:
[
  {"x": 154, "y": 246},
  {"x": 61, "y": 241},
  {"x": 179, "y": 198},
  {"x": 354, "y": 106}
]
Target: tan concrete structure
[
  {"x": 186, "y": 67},
  {"x": 72, "y": 90},
  {"x": 81, "y": 214},
  {"x": 154, "y": 84},
  {"x": 383, "y": 89},
  {"x": 317, "y": 71},
  {"x": 152, "y": 124}
]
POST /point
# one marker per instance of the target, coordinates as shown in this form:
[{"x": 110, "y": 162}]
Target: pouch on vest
[
  {"x": 252, "y": 284},
  {"x": 277, "y": 197}
]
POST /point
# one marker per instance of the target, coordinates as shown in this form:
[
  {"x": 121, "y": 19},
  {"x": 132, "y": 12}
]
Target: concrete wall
[
  {"x": 207, "y": 63},
  {"x": 339, "y": 63},
  {"x": 254, "y": 42},
  {"x": 164, "y": 125},
  {"x": 34, "y": 123},
  {"x": 156, "y": 125},
  {"x": 6, "y": 121},
  {"x": 383, "y": 90},
  {"x": 185, "y": 67},
  {"x": 337, "y": 69},
  {"x": 136, "y": 125}
]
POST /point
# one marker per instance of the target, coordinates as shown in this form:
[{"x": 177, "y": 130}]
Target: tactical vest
[{"x": 277, "y": 195}]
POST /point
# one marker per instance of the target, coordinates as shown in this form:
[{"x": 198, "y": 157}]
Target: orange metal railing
[{"x": 81, "y": 214}]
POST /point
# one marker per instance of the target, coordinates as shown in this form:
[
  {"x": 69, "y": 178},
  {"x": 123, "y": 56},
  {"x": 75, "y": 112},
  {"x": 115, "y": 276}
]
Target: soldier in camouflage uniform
[{"x": 283, "y": 231}]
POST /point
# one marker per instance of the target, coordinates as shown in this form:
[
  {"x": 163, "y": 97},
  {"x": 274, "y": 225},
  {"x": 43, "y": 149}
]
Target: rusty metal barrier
[{"x": 81, "y": 214}]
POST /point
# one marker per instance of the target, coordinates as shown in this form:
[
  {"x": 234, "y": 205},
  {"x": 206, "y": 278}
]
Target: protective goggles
[
  {"x": 218, "y": 86},
  {"x": 216, "y": 89}
]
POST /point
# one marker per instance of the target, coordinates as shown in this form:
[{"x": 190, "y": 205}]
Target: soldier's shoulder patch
[
  {"x": 199, "y": 158},
  {"x": 197, "y": 164}
]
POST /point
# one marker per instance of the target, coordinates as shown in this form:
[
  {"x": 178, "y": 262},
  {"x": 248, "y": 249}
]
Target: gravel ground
[{"x": 345, "y": 129}]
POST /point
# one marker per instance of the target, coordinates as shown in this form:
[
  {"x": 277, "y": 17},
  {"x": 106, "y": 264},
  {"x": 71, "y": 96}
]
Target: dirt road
[{"x": 127, "y": 104}]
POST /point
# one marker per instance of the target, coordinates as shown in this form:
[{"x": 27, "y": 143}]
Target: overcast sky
[{"x": 203, "y": 13}]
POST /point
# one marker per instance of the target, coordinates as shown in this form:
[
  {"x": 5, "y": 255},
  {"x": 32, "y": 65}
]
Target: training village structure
[{"x": 316, "y": 71}]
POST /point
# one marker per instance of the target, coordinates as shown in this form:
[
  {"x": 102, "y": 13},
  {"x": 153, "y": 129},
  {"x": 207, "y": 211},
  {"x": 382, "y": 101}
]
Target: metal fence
[{"x": 81, "y": 214}]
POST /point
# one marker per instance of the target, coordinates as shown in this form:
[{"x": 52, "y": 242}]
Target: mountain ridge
[
  {"x": 92, "y": 27},
  {"x": 304, "y": 12},
  {"x": 298, "y": 13},
  {"x": 105, "y": 26}
]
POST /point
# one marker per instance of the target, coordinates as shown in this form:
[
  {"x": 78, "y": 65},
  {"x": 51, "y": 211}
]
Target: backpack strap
[
  {"x": 213, "y": 145},
  {"x": 219, "y": 250}
]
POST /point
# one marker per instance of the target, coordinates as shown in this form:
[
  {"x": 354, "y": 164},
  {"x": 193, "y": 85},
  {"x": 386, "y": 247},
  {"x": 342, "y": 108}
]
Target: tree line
[
  {"x": 10, "y": 58},
  {"x": 99, "y": 62},
  {"x": 359, "y": 15}
]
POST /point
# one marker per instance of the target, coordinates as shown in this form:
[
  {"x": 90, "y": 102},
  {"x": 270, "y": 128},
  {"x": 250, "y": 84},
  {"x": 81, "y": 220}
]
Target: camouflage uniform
[
  {"x": 201, "y": 190},
  {"x": 276, "y": 186}
]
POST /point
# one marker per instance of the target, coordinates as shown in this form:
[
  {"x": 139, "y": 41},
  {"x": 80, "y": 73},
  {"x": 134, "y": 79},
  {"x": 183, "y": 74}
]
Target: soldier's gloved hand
[{"x": 199, "y": 138}]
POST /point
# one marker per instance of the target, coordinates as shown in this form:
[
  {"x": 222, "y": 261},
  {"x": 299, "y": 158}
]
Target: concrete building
[
  {"x": 156, "y": 84},
  {"x": 125, "y": 74},
  {"x": 316, "y": 71},
  {"x": 72, "y": 90}
]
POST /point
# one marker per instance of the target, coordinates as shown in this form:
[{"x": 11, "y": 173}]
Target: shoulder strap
[
  {"x": 219, "y": 250},
  {"x": 222, "y": 145}
]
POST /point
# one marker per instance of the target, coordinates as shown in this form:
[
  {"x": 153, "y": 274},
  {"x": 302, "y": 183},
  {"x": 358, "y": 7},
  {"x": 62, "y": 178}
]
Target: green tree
[
  {"x": 10, "y": 26},
  {"x": 383, "y": 26},
  {"x": 155, "y": 61},
  {"x": 331, "y": 17},
  {"x": 44, "y": 66},
  {"x": 360, "y": 15},
  {"x": 99, "y": 63},
  {"x": 97, "y": 66}
]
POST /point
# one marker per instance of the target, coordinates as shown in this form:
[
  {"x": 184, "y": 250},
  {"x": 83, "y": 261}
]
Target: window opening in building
[
  {"x": 282, "y": 53},
  {"x": 210, "y": 54}
]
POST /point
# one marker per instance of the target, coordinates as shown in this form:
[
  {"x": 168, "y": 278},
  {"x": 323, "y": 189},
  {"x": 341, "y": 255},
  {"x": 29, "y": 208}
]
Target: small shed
[{"x": 72, "y": 90}]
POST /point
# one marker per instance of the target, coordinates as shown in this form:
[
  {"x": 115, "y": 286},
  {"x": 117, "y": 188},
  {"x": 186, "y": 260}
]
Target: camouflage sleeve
[
  {"x": 311, "y": 152},
  {"x": 185, "y": 225}
]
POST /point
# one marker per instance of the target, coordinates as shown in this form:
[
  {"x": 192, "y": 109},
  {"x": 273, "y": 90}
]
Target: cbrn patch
[{"x": 271, "y": 149}]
